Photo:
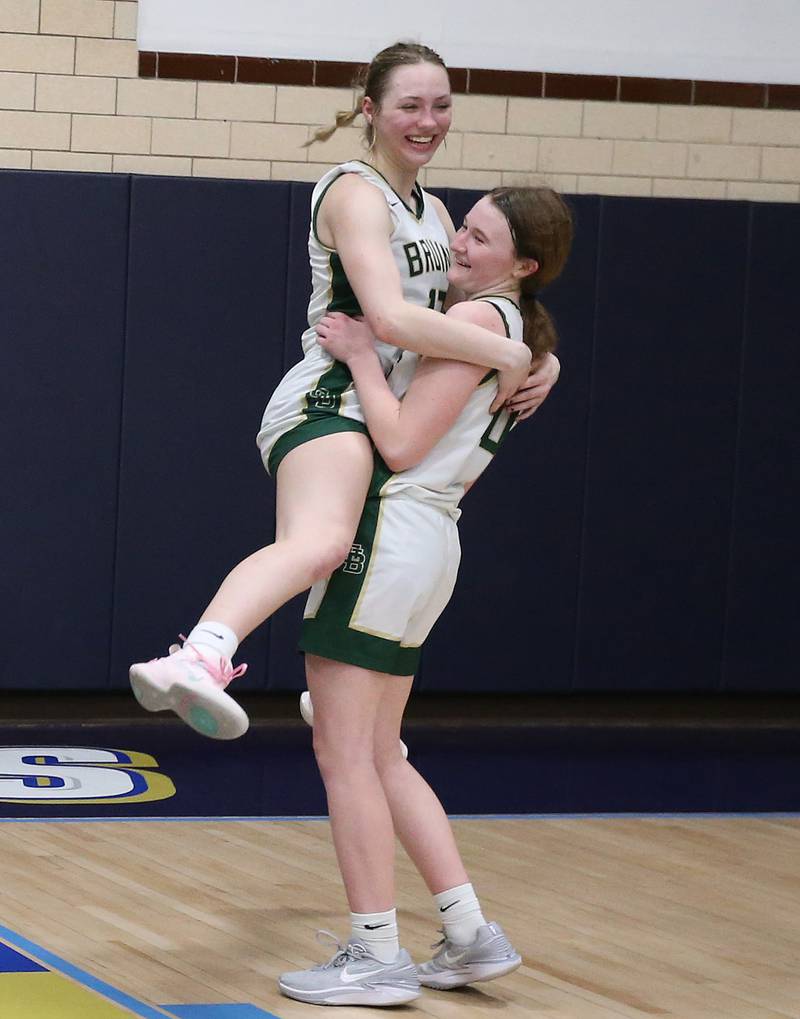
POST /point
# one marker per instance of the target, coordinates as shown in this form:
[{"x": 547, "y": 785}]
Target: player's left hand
[
  {"x": 344, "y": 337},
  {"x": 535, "y": 390}
]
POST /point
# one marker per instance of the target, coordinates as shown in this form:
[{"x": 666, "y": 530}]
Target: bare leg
[
  {"x": 321, "y": 487},
  {"x": 419, "y": 819},
  {"x": 345, "y": 704}
]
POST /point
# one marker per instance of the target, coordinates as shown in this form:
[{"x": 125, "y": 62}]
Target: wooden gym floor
[{"x": 147, "y": 908}]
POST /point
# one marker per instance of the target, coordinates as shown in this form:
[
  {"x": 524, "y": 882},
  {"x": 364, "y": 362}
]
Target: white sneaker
[
  {"x": 490, "y": 955},
  {"x": 307, "y": 711},
  {"x": 191, "y": 681},
  {"x": 354, "y": 976}
]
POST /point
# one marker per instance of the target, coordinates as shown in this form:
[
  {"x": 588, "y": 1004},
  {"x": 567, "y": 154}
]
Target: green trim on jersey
[
  {"x": 326, "y": 395},
  {"x": 342, "y": 296},
  {"x": 493, "y": 371},
  {"x": 419, "y": 198},
  {"x": 490, "y": 444},
  {"x": 315, "y": 211},
  {"x": 329, "y": 634},
  {"x": 317, "y": 425}
]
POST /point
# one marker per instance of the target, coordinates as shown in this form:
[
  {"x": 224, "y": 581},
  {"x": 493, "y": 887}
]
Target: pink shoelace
[{"x": 221, "y": 671}]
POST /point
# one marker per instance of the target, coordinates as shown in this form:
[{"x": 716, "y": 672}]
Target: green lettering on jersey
[{"x": 414, "y": 259}]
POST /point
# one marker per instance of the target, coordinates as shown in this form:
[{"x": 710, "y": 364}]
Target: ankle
[{"x": 377, "y": 932}]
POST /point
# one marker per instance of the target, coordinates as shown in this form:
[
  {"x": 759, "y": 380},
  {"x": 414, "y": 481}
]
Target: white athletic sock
[
  {"x": 460, "y": 912},
  {"x": 215, "y": 635},
  {"x": 378, "y": 931}
]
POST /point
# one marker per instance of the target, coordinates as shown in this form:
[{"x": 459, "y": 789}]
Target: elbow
[{"x": 400, "y": 457}]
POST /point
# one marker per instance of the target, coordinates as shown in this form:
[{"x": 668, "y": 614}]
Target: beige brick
[
  {"x": 567, "y": 183},
  {"x": 479, "y": 179},
  {"x": 98, "y": 162},
  {"x": 299, "y": 171},
  {"x": 191, "y": 138},
  {"x": 273, "y": 141},
  {"x": 620, "y": 120},
  {"x": 241, "y": 169},
  {"x": 480, "y": 113},
  {"x": 499, "y": 152},
  {"x": 649, "y": 159},
  {"x": 78, "y": 17},
  {"x": 766, "y": 127},
  {"x": 449, "y": 152},
  {"x": 553, "y": 118},
  {"x": 757, "y": 191},
  {"x": 161, "y": 166},
  {"x": 223, "y": 101},
  {"x": 723, "y": 162},
  {"x": 694, "y": 124},
  {"x": 34, "y": 130},
  {"x": 15, "y": 159},
  {"x": 115, "y": 58},
  {"x": 125, "y": 20},
  {"x": 575, "y": 155},
  {"x": 17, "y": 91},
  {"x": 634, "y": 186},
  {"x": 299, "y": 105},
  {"x": 781, "y": 164},
  {"x": 683, "y": 188},
  {"x": 75, "y": 94},
  {"x": 110, "y": 134},
  {"x": 346, "y": 143},
  {"x": 37, "y": 53},
  {"x": 19, "y": 16},
  {"x": 143, "y": 97}
]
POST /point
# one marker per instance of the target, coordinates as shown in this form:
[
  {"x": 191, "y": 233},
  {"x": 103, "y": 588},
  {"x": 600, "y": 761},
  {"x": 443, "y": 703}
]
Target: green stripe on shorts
[{"x": 329, "y": 635}]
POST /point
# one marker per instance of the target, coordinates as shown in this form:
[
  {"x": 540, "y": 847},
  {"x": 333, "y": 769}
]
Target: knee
[
  {"x": 388, "y": 759},
  {"x": 326, "y": 553},
  {"x": 332, "y": 553},
  {"x": 341, "y": 757},
  {"x": 333, "y": 755}
]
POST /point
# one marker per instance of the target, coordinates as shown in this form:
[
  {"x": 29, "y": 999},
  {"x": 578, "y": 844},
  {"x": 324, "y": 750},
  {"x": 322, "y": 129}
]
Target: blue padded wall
[
  {"x": 284, "y": 664},
  {"x": 663, "y": 419},
  {"x": 207, "y": 300},
  {"x": 63, "y": 251},
  {"x": 764, "y": 605},
  {"x": 637, "y": 534}
]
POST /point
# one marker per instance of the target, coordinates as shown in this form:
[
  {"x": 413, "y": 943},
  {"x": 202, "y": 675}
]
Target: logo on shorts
[
  {"x": 356, "y": 560},
  {"x": 321, "y": 399}
]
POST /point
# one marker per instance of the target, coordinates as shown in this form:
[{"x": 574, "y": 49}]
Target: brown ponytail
[
  {"x": 541, "y": 229},
  {"x": 372, "y": 80}
]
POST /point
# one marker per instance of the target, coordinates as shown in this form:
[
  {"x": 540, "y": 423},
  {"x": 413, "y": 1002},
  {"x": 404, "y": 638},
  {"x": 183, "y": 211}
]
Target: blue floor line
[{"x": 82, "y": 977}]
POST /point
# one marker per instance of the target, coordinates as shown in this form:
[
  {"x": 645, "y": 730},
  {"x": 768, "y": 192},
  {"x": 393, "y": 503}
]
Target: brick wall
[{"x": 70, "y": 99}]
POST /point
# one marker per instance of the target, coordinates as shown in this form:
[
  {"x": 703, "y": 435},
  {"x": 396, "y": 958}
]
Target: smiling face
[
  {"x": 484, "y": 258},
  {"x": 413, "y": 116}
]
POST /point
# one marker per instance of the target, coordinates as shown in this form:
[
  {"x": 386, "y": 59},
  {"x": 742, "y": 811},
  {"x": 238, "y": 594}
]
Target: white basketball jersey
[
  {"x": 461, "y": 455},
  {"x": 318, "y": 384}
]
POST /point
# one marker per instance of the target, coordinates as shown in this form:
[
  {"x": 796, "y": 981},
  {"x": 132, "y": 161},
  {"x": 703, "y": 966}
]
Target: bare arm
[
  {"x": 405, "y": 431},
  {"x": 354, "y": 218}
]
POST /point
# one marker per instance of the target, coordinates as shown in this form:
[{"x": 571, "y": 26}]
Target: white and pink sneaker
[{"x": 191, "y": 682}]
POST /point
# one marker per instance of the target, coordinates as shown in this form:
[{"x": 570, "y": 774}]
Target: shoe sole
[
  {"x": 376, "y": 997},
  {"x": 307, "y": 714},
  {"x": 218, "y": 716},
  {"x": 475, "y": 973}
]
